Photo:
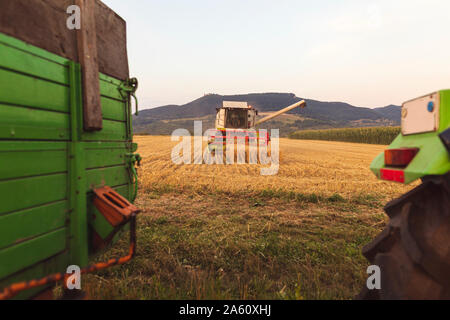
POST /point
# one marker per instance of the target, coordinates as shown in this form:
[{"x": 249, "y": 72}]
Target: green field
[
  {"x": 375, "y": 135},
  {"x": 267, "y": 245}
]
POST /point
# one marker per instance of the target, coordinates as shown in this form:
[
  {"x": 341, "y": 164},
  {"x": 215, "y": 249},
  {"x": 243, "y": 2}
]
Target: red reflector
[
  {"x": 399, "y": 157},
  {"x": 392, "y": 175}
]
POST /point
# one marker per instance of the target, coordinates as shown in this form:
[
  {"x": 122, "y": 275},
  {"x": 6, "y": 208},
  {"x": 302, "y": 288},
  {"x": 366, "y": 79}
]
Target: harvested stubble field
[{"x": 226, "y": 232}]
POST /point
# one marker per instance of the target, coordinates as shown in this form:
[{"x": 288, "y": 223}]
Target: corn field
[{"x": 375, "y": 135}]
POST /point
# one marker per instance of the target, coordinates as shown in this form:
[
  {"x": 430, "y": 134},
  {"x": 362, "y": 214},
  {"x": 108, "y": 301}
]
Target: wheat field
[
  {"x": 226, "y": 232},
  {"x": 319, "y": 167}
]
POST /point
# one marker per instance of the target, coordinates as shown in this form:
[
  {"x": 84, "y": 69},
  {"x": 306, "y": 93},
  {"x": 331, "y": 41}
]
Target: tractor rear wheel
[{"x": 413, "y": 252}]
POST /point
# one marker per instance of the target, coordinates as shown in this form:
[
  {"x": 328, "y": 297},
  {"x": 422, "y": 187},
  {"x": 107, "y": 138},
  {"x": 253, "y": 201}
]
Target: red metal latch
[{"x": 115, "y": 208}]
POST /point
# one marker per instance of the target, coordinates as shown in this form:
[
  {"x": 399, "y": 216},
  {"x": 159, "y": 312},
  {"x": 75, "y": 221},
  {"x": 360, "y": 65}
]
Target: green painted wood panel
[
  {"x": 33, "y": 124},
  {"x": 30, "y": 252},
  {"x": 23, "y": 90},
  {"x": 26, "y": 159},
  {"x": 29, "y": 192},
  {"x": 19, "y": 44},
  {"x": 112, "y": 131},
  {"x": 110, "y": 80},
  {"x": 112, "y": 176},
  {"x": 105, "y": 155},
  {"x": 55, "y": 264},
  {"x": 25, "y": 62},
  {"x": 32, "y": 146},
  {"x": 113, "y": 109},
  {"x": 110, "y": 90},
  {"x": 22, "y": 225}
]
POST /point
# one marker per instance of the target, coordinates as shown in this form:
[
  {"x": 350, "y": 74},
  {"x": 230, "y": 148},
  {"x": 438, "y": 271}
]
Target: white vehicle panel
[
  {"x": 235, "y": 104},
  {"x": 220, "y": 119},
  {"x": 421, "y": 115}
]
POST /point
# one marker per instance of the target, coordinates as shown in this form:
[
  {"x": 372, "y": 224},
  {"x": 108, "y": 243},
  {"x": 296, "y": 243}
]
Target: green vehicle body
[
  {"x": 432, "y": 158},
  {"x": 49, "y": 165}
]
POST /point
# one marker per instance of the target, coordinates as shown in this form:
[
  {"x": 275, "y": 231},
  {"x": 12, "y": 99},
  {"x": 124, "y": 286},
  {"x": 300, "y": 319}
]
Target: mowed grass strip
[
  {"x": 376, "y": 135},
  {"x": 232, "y": 246}
]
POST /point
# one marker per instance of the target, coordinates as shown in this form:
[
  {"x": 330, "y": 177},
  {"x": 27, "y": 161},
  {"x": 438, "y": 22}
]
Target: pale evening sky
[{"x": 366, "y": 53}]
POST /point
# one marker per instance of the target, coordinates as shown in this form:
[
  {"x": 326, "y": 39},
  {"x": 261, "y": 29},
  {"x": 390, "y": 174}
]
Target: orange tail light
[{"x": 399, "y": 157}]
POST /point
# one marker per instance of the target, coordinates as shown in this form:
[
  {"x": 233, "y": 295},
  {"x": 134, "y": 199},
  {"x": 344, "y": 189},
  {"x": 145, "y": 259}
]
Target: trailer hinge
[
  {"x": 130, "y": 87},
  {"x": 134, "y": 159}
]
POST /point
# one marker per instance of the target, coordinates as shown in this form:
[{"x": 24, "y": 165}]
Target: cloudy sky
[{"x": 367, "y": 53}]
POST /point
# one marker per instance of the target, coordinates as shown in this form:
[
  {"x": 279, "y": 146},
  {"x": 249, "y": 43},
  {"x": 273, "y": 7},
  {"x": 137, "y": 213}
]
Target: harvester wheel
[{"x": 413, "y": 252}]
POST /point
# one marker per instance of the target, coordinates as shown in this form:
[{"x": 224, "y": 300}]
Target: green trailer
[{"x": 50, "y": 164}]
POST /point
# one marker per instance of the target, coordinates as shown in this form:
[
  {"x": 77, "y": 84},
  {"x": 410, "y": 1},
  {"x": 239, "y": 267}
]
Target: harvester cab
[
  {"x": 236, "y": 115},
  {"x": 413, "y": 251}
]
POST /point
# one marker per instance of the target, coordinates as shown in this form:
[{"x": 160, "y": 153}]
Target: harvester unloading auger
[
  {"x": 237, "y": 119},
  {"x": 413, "y": 252}
]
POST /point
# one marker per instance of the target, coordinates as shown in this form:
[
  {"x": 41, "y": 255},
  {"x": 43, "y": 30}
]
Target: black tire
[{"x": 413, "y": 252}]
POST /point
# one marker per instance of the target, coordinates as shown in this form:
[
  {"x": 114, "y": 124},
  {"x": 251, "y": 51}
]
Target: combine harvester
[
  {"x": 67, "y": 155},
  {"x": 238, "y": 121},
  {"x": 413, "y": 252}
]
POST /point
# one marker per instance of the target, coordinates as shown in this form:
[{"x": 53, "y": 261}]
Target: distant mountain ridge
[
  {"x": 392, "y": 112},
  {"x": 317, "y": 114}
]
